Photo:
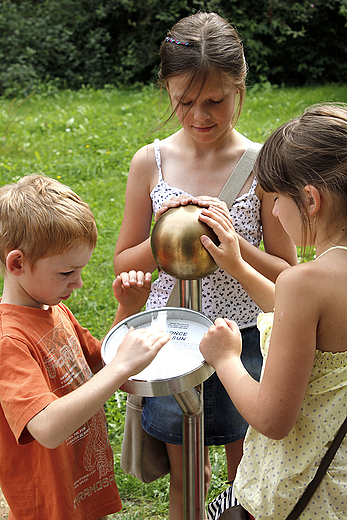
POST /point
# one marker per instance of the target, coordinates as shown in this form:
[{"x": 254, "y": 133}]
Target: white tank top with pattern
[{"x": 222, "y": 296}]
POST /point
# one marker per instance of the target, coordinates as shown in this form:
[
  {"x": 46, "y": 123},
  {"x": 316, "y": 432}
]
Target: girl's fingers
[
  {"x": 138, "y": 278},
  {"x": 132, "y": 276},
  {"x": 222, "y": 228},
  {"x": 147, "y": 278},
  {"x": 217, "y": 216}
]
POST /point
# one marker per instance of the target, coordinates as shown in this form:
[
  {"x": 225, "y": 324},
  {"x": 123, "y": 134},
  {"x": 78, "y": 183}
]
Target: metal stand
[
  {"x": 191, "y": 403},
  {"x": 178, "y": 251},
  {"x": 190, "y": 294}
]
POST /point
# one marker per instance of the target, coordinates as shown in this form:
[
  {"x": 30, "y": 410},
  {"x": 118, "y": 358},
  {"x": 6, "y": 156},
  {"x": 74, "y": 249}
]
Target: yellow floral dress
[{"x": 273, "y": 474}]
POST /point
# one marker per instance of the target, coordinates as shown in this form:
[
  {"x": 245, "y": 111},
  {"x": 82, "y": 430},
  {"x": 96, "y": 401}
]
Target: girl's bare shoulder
[
  {"x": 144, "y": 157},
  {"x": 143, "y": 168},
  {"x": 304, "y": 281},
  {"x": 317, "y": 285}
]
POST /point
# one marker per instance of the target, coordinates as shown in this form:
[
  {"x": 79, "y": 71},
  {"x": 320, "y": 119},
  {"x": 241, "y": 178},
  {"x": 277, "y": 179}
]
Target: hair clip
[{"x": 171, "y": 40}]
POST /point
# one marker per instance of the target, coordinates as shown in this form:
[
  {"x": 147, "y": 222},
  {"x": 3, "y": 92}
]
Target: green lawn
[{"x": 86, "y": 139}]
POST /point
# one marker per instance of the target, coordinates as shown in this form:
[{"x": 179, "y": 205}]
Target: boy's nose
[{"x": 77, "y": 283}]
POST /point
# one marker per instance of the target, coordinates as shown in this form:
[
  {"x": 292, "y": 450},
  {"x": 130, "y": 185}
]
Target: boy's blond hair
[{"x": 42, "y": 217}]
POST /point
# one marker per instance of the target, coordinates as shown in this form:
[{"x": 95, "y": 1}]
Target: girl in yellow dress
[{"x": 301, "y": 400}]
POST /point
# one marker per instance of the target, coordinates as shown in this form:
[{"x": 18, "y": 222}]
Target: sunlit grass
[{"x": 86, "y": 139}]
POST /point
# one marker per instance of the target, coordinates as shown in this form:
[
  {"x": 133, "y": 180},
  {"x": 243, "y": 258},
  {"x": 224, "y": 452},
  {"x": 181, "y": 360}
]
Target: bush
[
  {"x": 295, "y": 43},
  {"x": 43, "y": 41},
  {"x": 99, "y": 42}
]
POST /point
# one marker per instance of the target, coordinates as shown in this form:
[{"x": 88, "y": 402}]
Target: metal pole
[
  {"x": 193, "y": 454},
  {"x": 190, "y": 294},
  {"x": 191, "y": 403}
]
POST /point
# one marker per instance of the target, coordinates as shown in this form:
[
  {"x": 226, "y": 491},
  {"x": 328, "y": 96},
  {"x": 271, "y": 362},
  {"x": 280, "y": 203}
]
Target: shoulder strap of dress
[
  {"x": 158, "y": 156},
  {"x": 240, "y": 174}
]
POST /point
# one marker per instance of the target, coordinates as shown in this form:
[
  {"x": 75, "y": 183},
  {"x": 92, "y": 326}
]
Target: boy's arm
[
  {"x": 65, "y": 415},
  {"x": 61, "y": 418}
]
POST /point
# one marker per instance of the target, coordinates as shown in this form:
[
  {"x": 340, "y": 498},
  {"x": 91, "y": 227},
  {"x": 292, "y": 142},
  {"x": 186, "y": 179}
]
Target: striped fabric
[{"x": 222, "y": 502}]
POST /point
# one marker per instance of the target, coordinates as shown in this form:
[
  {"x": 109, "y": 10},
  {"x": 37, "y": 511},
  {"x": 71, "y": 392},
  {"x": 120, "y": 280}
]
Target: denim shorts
[{"x": 162, "y": 416}]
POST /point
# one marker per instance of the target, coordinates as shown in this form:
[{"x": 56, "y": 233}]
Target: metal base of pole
[{"x": 191, "y": 403}]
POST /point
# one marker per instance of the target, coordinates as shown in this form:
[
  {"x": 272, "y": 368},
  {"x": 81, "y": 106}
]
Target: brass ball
[{"x": 176, "y": 244}]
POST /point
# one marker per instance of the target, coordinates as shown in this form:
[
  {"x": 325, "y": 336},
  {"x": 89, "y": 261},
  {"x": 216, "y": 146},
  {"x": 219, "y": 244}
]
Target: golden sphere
[{"x": 176, "y": 244}]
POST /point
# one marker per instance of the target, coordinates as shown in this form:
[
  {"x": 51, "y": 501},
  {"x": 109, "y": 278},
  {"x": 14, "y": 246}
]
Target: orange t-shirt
[{"x": 45, "y": 354}]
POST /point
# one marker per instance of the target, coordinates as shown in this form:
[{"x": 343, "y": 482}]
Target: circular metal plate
[{"x": 179, "y": 365}]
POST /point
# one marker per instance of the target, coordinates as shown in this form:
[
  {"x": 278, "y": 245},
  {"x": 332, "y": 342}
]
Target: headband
[{"x": 171, "y": 40}]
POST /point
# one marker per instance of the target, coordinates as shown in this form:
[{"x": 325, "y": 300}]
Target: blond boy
[{"x": 56, "y": 461}]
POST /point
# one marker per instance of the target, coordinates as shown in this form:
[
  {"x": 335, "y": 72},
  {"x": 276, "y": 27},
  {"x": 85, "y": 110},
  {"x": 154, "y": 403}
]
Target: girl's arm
[
  {"x": 228, "y": 256},
  {"x": 280, "y": 252},
  {"x": 133, "y": 248},
  {"x": 131, "y": 290},
  {"x": 271, "y": 406}
]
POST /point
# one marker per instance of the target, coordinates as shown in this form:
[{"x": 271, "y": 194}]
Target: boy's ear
[
  {"x": 313, "y": 200},
  {"x": 14, "y": 262}
]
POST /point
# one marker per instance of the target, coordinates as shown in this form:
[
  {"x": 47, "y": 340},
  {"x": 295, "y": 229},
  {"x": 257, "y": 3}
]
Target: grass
[{"x": 86, "y": 139}]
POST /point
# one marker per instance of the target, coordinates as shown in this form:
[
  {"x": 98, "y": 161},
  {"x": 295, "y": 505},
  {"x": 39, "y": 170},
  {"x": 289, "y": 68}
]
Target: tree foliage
[{"x": 98, "y": 42}]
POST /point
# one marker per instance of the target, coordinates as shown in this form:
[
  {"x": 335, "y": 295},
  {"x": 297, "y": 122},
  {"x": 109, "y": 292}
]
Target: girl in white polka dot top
[
  {"x": 203, "y": 69},
  {"x": 301, "y": 400}
]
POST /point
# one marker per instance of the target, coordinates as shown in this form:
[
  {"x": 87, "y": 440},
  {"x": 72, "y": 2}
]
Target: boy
[{"x": 56, "y": 461}]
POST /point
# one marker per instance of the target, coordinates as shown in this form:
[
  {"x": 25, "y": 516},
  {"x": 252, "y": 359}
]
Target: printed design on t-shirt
[
  {"x": 67, "y": 369},
  {"x": 64, "y": 360},
  {"x": 95, "y": 456}
]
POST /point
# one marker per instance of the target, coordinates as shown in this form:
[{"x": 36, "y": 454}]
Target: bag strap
[
  {"x": 328, "y": 457},
  {"x": 240, "y": 174},
  {"x": 230, "y": 191}
]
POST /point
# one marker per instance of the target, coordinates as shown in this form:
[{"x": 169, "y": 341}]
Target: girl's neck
[
  {"x": 331, "y": 243},
  {"x": 331, "y": 249},
  {"x": 328, "y": 236}
]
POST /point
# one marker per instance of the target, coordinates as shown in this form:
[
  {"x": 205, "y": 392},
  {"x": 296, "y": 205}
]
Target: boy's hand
[
  {"x": 221, "y": 342},
  {"x": 131, "y": 290},
  {"x": 138, "y": 349}
]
